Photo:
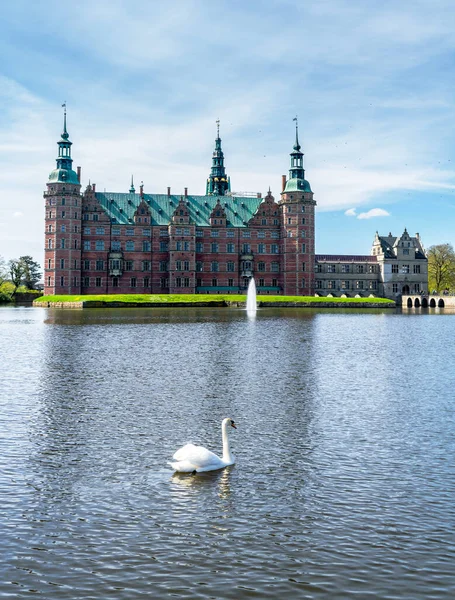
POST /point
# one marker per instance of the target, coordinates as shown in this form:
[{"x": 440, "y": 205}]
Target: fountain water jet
[{"x": 251, "y": 304}]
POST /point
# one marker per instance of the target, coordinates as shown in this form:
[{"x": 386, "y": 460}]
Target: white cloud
[
  {"x": 374, "y": 212},
  {"x": 18, "y": 214},
  {"x": 350, "y": 212}
]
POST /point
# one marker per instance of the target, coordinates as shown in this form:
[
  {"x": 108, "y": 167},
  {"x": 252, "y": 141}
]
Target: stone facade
[{"x": 110, "y": 242}]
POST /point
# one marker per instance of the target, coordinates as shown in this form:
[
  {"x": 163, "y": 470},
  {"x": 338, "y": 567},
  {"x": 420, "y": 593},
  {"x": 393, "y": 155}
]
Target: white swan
[{"x": 191, "y": 458}]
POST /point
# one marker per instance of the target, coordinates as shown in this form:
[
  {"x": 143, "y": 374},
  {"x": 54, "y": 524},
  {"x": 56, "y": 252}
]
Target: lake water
[{"x": 344, "y": 485}]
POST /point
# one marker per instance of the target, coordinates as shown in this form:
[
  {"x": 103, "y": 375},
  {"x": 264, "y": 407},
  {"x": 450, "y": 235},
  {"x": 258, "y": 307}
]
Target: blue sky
[{"x": 144, "y": 83}]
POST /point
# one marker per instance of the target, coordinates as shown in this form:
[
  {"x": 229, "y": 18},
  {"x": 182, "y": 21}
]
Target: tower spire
[
  {"x": 218, "y": 183},
  {"x": 132, "y": 189},
  {"x": 297, "y": 179},
  {"x": 296, "y": 145},
  {"x": 65, "y": 135}
]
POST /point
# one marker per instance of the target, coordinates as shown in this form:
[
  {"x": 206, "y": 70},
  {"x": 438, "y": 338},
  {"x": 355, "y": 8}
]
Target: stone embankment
[{"x": 211, "y": 303}]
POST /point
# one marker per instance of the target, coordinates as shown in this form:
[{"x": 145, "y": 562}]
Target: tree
[
  {"x": 3, "y": 270},
  {"x": 31, "y": 272},
  {"x": 441, "y": 267},
  {"x": 16, "y": 273}
]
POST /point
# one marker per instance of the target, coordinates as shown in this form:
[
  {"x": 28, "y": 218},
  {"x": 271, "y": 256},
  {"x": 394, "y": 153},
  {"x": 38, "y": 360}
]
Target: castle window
[
  {"x": 289, "y": 234},
  {"x": 302, "y": 234},
  {"x": 331, "y": 269},
  {"x": 95, "y": 217},
  {"x": 62, "y": 263},
  {"x": 178, "y": 245},
  {"x": 49, "y": 281},
  {"x": 289, "y": 209},
  {"x": 345, "y": 285},
  {"x": 98, "y": 281},
  {"x": 163, "y": 265},
  {"x": 87, "y": 230},
  {"x": 405, "y": 269},
  {"x": 62, "y": 243},
  {"x": 214, "y": 233},
  {"x": 303, "y": 220},
  {"x": 261, "y": 266},
  {"x": 49, "y": 263},
  {"x": 49, "y": 228},
  {"x": 199, "y": 233},
  {"x": 275, "y": 267},
  {"x": 86, "y": 281},
  {"x": 163, "y": 232},
  {"x": 146, "y": 282},
  {"x": 318, "y": 269},
  {"x": 276, "y": 222},
  {"x": 199, "y": 266},
  {"x": 230, "y": 247},
  {"x": 303, "y": 267},
  {"x": 178, "y": 265},
  {"x": 246, "y": 248},
  {"x": 359, "y": 285},
  {"x": 186, "y": 265},
  {"x": 146, "y": 265},
  {"x": 230, "y": 233},
  {"x": 214, "y": 282},
  {"x": 405, "y": 250},
  {"x": 129, "y": 246},
  {"x": 100, "y": 230},
  {"x": 395, "y": 288},
  {"x": 115, "y": 231},
  {"x": 129, "y": 231},
  {"x": 178, "y": 282},
  {"x": 373, "y": 285},
  {"x": 274, "y": 249},
  {"x": 274, "y": 283},
  {"x": 133, "y": 282},
  {"x": 99, "y": 245},
  {"x": 416, "y": 268},
  {"x": 230, "y": 282},
  {"x": 86, "y": 217},
  {"x": 199, "y": 247},
  {"x": 163, "y": 282},
  {"x": 395, "y": 269},
  {"x": 186, "y": 282},
  {"x": 63, "y": 201},
  {"x": 303, "y": 249},
  {"x": 186, "y": 246},
  {"x": 100, "y": 265},
  {"x": 178, "y": 231},
  {"x": 303, "y": 209},
  {"x": 63, "y": 214},
  {"x": 246, "y": 234},
  {"x": 345, "y": 268},
  {"x": 319, "y": 284},
  {"x": 186, "y": 231},
  {"x": 146, "y": 246},
  {"x": 115, "y": 245},
  {"x": 289, "y": 222},
  {"x": 214, "y": 247},
  {"x": 163, "y": 246},
  {"x": 146, "y": 232},
  {"x": 230, "y": 266},
  {"x": 261, "y": 248},
  {"x": 261, "y": 283},
  {"x": 128, "y": 265},
  {"x": 115, "y": 282},
  {"x": 263, "y": 221},
  {"x": 261, "y": 234},
  {"x": 86, "y": 265},
  {"x": 275, "y": 235},
  {"x": 331, "y": 285},
  {"x": 76, "y": 229},
  {"x": 142, "y": 211},
  {"x": 63, "y": 228},
  {"x": 214, "y": 267},
  {"x": 62, "y": 281}
]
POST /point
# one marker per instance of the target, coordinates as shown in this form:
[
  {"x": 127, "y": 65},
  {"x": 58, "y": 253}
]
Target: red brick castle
[{"x": 129, "y": 242}]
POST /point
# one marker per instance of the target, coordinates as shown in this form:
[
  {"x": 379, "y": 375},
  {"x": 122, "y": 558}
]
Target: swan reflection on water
[{"x": 202, "y": 481}]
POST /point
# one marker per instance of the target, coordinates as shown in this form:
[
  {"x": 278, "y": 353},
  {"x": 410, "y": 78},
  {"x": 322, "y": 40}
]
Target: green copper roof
[
  {"x": 121, "y": 207},
  {"x": 297, "y": 185},
  {"x": 63, "y": 176}
]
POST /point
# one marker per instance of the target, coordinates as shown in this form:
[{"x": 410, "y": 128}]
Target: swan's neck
[{"x": 227, "y": 456}]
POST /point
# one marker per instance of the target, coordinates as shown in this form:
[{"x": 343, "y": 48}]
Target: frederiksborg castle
[{"x": 135, "y": 242}]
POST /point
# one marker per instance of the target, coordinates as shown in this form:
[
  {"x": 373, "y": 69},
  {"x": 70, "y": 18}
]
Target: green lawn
[{"x": 172, "y": 298}]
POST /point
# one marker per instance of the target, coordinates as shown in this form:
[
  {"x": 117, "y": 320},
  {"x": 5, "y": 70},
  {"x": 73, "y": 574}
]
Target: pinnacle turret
[{"x": 218, "y": 183}]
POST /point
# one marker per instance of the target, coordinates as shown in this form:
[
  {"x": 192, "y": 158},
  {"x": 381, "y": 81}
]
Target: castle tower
[
  {"x": 297, "y": 227},
  {"x": 217, "y": 183},
  {"x": 62, "y": 262}
]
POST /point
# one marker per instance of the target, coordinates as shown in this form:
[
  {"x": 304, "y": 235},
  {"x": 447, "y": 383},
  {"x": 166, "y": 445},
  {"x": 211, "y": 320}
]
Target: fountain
[{"x": 251, "y": 304}]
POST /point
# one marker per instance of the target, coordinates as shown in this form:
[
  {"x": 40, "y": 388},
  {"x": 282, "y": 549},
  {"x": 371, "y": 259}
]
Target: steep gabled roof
[{"x": 122, "y": 206}]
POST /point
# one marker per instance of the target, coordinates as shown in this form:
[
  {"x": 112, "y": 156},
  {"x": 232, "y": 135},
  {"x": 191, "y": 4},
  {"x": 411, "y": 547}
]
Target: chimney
[
  {"x": 259, "y": 195},
  {"x": 79, "y": 174},
  {"x": 168, "y": 191},
  {"x": 186, "y": 192},
  {"x": 94, "y": 187},
  {"x": 418, "y": 236},
  {"x": 283, "y": 182}
]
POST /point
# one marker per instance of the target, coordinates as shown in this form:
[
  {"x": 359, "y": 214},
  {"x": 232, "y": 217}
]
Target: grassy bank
[{"x": 191, "y": 298}]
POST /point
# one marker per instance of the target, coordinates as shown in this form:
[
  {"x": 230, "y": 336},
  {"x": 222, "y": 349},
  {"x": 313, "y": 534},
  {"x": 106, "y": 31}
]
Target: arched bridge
[{"x": 427, "y": 301}]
